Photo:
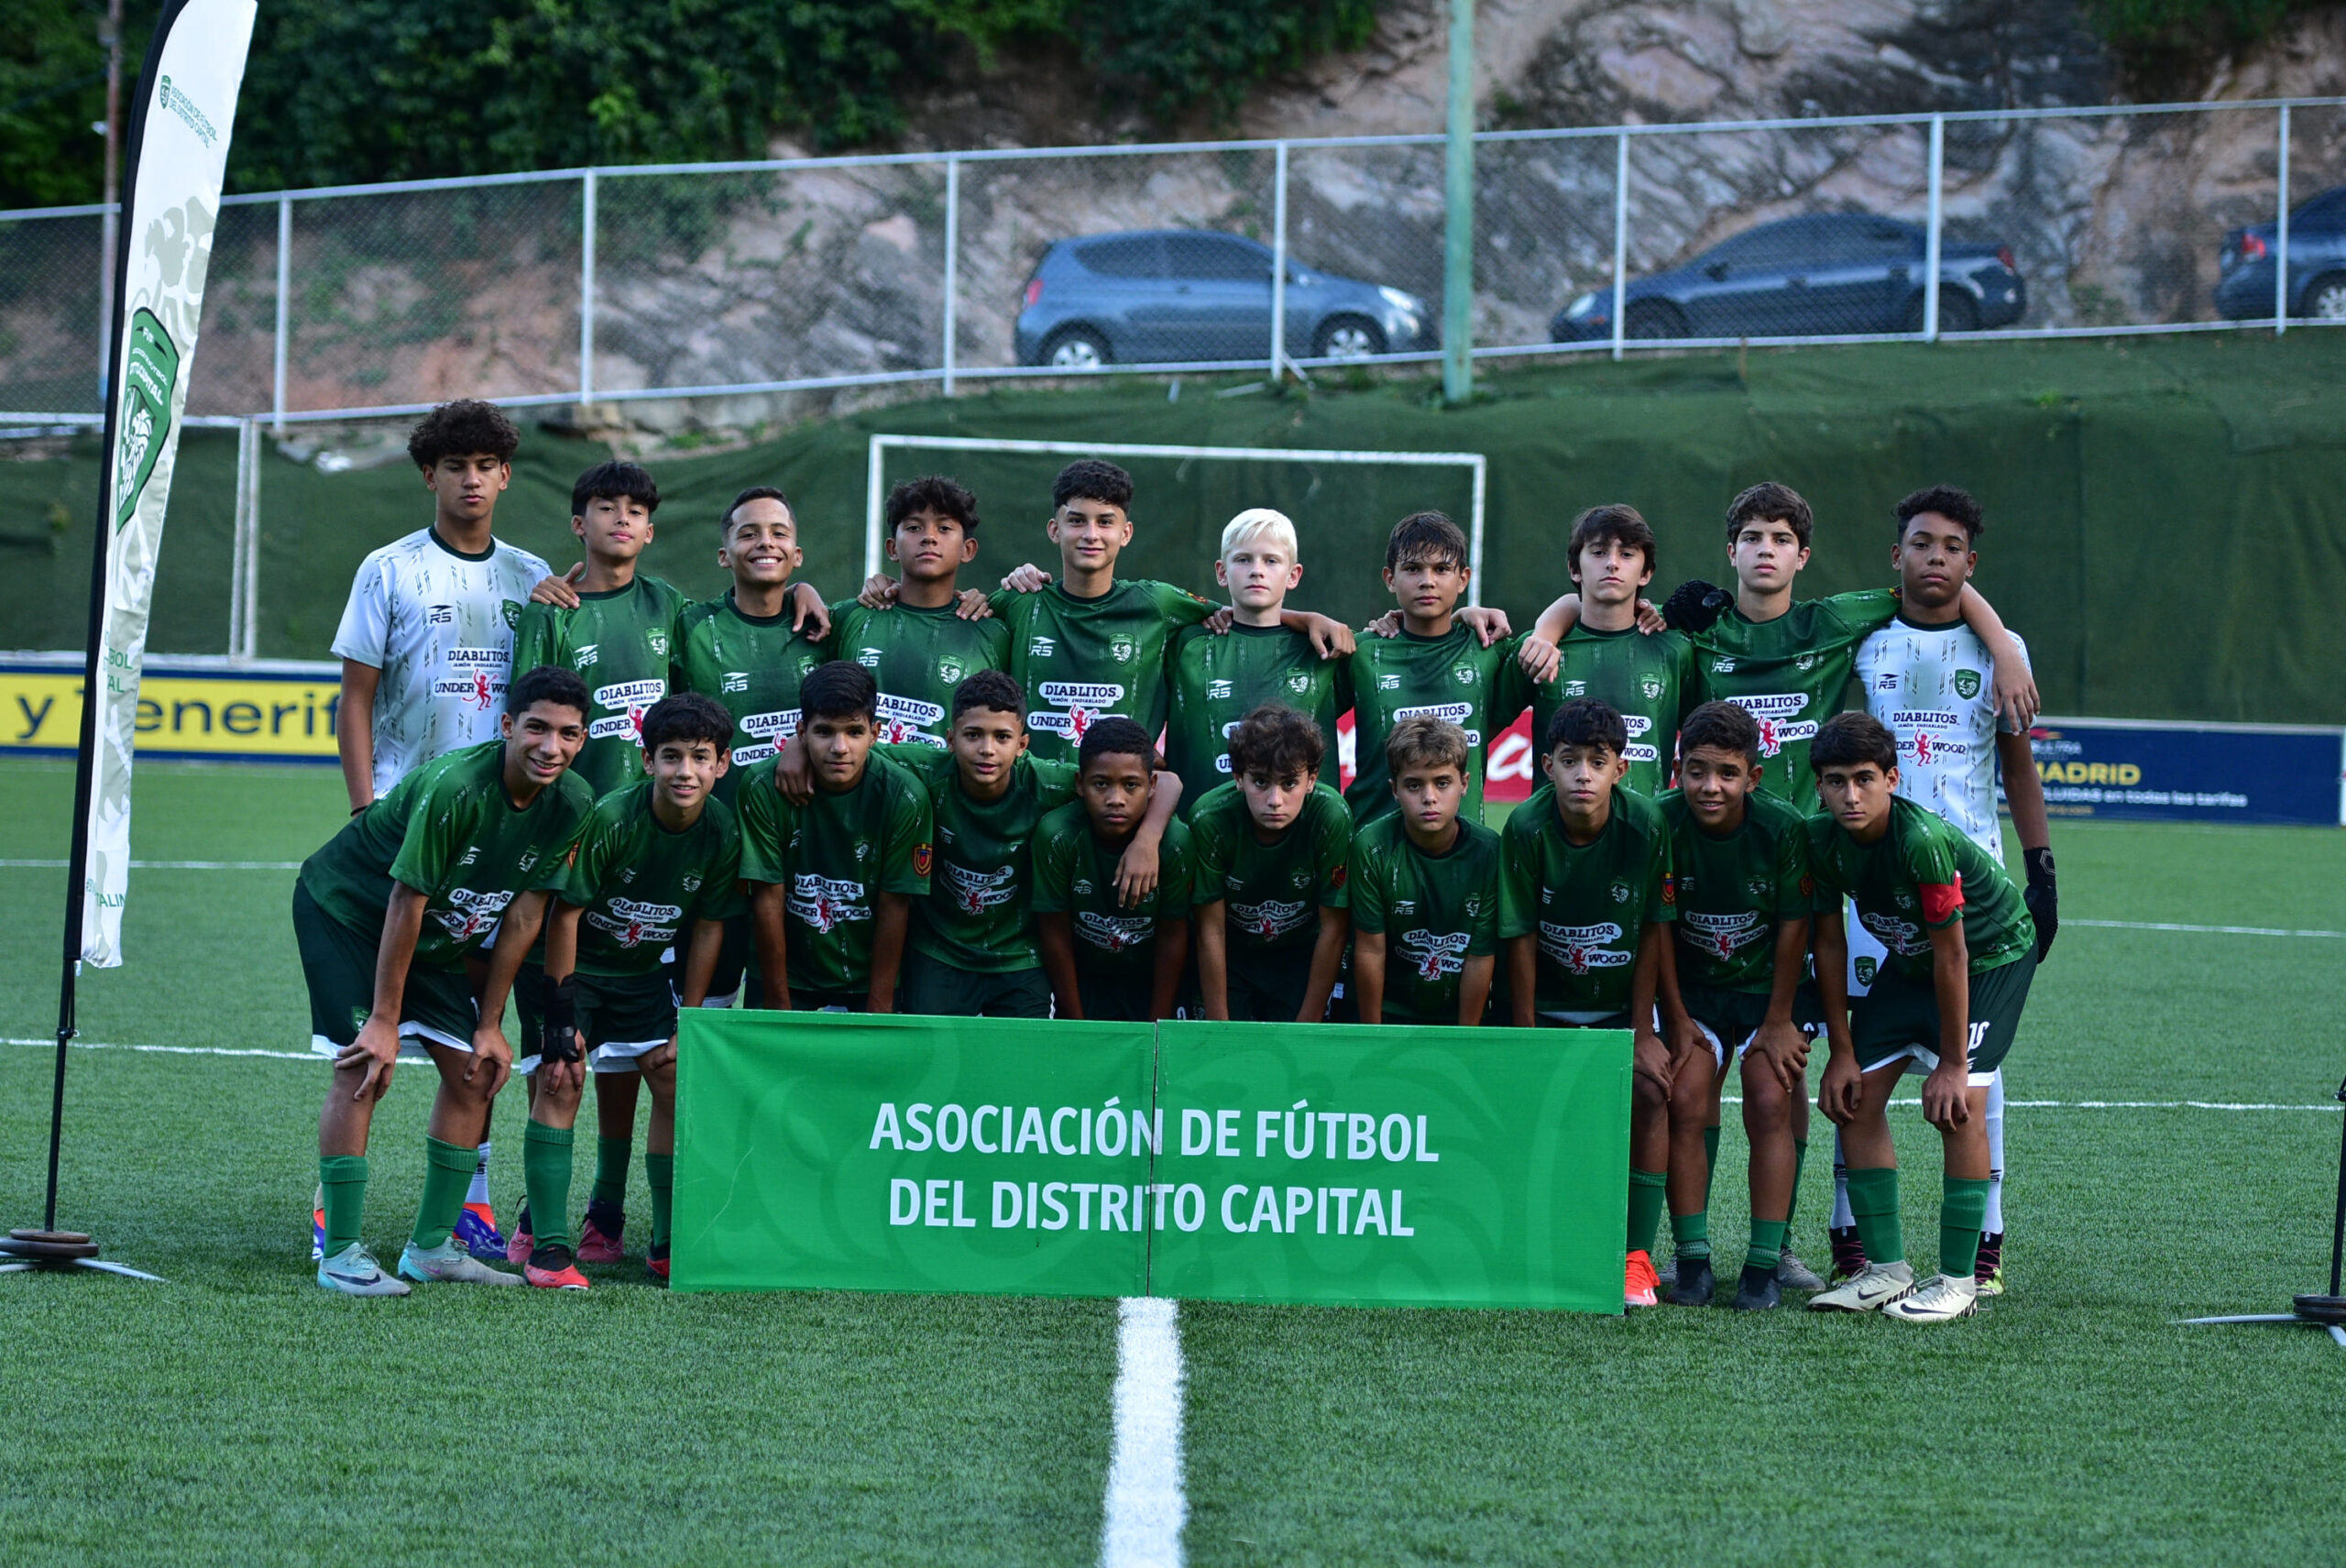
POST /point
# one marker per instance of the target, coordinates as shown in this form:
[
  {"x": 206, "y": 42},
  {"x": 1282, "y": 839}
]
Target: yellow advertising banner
[{"x": 263, "y": 715}]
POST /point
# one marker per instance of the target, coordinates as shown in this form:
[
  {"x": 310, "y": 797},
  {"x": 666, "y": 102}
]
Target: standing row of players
[{"x": 1110, "y": 642}]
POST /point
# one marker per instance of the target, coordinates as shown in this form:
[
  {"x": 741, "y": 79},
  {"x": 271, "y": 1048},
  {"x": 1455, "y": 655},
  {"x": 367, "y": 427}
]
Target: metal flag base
[
  {"x": 60, "y": 1252},
  {"x": 2315, "y": 1311}
]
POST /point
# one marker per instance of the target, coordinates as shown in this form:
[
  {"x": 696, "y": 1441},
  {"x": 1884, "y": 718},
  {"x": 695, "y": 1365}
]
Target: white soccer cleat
[
  {"x": 1878, "y": 1287},
  {"x": 451, "y": 1264},
  {"x": 1940, "y": 1299},
  {"x": 352, "y": 1271}
]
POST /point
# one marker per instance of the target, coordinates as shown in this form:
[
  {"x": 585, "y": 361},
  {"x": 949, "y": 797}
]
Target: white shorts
[
  {"x": 414, "y": 1039},
  {"x": 1916, "y": 1058},
  {"x": 1719, "y": 1046}
]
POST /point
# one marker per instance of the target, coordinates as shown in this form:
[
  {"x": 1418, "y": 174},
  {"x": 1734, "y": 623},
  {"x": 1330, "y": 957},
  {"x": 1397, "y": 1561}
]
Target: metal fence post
[
  {"x": 1458, "y": 226},
  {"x": 586, "y": 292},
  {"x": 243, "y": 564},
  {"x": 1930, "y": 233},
  {"x": 284, "y": 311},
  {"x": 1620, "y": 235},
  {"x": 1278, "y": 259},
  {"x": 953, "y": 259},
  {"x": 2281, "y": 237}
]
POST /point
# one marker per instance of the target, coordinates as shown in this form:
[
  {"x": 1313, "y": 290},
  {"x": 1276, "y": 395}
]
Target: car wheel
[
  {"x": 1077, "y": 348},
  {"x": 1347, "y": 337},
  {"x": 1958, "y": 311},
  {"x": 1653, "y": 318},
  {"x": 2326, "y": 297}
]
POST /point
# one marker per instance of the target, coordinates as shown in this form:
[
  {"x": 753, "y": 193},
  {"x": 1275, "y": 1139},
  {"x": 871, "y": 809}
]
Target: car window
[
  {"x": 1128, "y": 256},
  {"x": 1771, "y": 245},
  {"x": 1210, "y": 256},
  {"x": 2327, "y": 210},
  {"x": 1859, "y": 237}
]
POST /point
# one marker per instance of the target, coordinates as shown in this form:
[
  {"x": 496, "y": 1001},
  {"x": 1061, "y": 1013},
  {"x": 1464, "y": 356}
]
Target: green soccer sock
[
  {"x": 1710, "y": 1161},
  {"x": 1873, "y": 1204},
  {"x": 1646, "y": 1191},
  {"x": 1766, "y": 1244},
  {"x": 1962, "y": 1212},
  {"x": 1691, "y": 1233},
  {"x": 1800, "y": 1158},
  {"x": 545, "y": 1173},
  {"x": 448, "y": 1171},
  {"x": 343, "y": 1179},
  {"x": 660, "y": 1169},
  {"x": 611, "y": 1155}
]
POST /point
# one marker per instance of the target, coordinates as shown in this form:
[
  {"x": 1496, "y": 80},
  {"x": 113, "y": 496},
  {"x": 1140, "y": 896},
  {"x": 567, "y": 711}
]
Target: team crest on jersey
[
  {"x": 657, "y": 640},
  {"x": 1867, "y": 969},
  {"x": 920, "y": 860},
  {"x": 1806, "y": 662},
  {"x": 1122, "y": 650},
  {"x": 1467, "y": 675},
  {"x": 1298, "y": 683},
  {"x": 1433, "y": 954},
  {"x": 1755, "y": 888},
  {"x": 1272, "y": 918},
  {"x": 950, "y": 671},
  {"x": 1670, "y": 890},
  {"x": 691, "y": 882},
  {"x": 1620, "y": 893},
  {"x": 1581, "y": 948},
  {"x": 1217, "y": 690},
  {"x": 1300, "y": 880},
  {"x": 1966, "y": 683},
  {"x": 1651, "y": 687},
  {"x": 359, "y": 1016}
]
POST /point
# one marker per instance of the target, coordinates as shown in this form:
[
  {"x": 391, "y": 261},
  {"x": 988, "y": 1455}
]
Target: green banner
[
  {"x": 1395, "y": 1166},
  {"x": 1298, "y": 1163}
]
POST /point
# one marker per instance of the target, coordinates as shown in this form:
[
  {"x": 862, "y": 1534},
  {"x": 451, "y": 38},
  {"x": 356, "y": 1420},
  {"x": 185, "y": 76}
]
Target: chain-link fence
[{"x": 739, "y": 280}]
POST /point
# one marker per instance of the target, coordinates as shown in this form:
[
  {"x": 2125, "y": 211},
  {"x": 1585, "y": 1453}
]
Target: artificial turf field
[{"x": 237, "y": 1413}]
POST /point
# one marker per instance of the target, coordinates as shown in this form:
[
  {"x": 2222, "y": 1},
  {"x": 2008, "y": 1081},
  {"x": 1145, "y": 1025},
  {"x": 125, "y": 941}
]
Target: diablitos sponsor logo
[
  {"x": 1581, "y": 948},
  {"x": 471, "y": 914},
  {"x": 630, "y": 923},
  {"x": 1903, "y": 938},
  {"x": 1721, "y": 935},
  {"x": 826, "y": 903},
  {"x": 1113, "y": 933},
  {"x": 1075, "y": 706},
  {"x": 1435, "y": 954},
  {"x": 906, "y": 721},
  {"x": 1271, "y": 919},
  {"x": 1457, "y": 713},
  {"x": 975, "y": 891},
  {"x": 625, "y": 702},
  {"x": 1775, "y": 713}
]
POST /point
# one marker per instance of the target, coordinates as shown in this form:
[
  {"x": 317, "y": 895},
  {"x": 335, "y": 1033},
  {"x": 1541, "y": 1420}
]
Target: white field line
[
  {"x": 2204, "y": 930},
  {"x": 1145, "y": 1508},
  {"x": 178, "y": 865},
  {"x": 81, "y": 1044}
]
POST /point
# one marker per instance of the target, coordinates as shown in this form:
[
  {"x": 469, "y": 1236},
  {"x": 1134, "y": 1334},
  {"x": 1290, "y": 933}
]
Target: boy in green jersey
[
  {"x": 1961, "y": 952},
  {"x": 1219, "y": 679},
  {"x": 1108, "y": 955},
  {"x": 1648, "y": 680},
  {"x": 920, "y": 642},
  {"x": 1736, "y": 981},
  {"x": 1425, "y": 889},
  {"x": 1438, "y": 667},
  {"x": 391, "y": 916},
  {"x": 1584, "y": 894},
  {"x": 658, "y": 866},
  {"x": 832, "y": 881},
  {"x": 1268, "y": 849}
]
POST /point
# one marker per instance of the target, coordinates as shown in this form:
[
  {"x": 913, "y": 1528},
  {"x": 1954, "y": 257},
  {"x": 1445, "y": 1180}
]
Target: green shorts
[
  {"x": 1898, "y": 1020},
  {"x": 338, "y": 965},
  {"x": 1729, "y": 1019},
  {"x": 934, "y": 987},
  {"x": 1268, "y": 988},
  {"x": 620, "y": 1017},
  {"x": 1118, "y": 998}
]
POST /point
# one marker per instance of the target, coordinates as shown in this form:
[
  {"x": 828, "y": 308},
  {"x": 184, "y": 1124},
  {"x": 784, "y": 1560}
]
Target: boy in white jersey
[
  {"x": 426, "y": 645},
  {"x": 1928, "y": 678}
]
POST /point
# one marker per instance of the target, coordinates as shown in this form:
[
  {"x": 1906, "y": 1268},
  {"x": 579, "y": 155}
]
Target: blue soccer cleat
[{"x": 476, "y": 1233}]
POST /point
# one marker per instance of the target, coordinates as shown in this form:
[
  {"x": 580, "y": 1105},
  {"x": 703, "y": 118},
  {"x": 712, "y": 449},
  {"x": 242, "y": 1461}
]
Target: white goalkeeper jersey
[
  {"x": 1934, "y": 688},
  {"x": 439, "y": 624}
]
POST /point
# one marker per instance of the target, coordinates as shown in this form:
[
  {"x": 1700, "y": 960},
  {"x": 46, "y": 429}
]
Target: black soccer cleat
[
  {"x": 1694, "y": 1283},
  {"x": 1987, "y": 1274},
  {"x": 1757, "y": 1290},
  {"x": 1848, "y": 1252}
]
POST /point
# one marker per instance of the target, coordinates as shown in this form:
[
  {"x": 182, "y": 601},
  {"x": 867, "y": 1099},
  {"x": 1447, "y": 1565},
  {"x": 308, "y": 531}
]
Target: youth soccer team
[{"x": 605, "y": 803}]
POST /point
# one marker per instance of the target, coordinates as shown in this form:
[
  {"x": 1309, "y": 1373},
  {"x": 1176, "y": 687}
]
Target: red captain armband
[{"x": 1941, "y": 903}]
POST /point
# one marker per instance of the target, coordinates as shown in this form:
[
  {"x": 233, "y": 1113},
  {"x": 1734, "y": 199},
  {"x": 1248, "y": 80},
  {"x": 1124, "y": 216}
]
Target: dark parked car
[
  {"x": 2317, "y": 264},
  {"x": 1181, "y": 295},
  {"x": 1826, "y": 272}
]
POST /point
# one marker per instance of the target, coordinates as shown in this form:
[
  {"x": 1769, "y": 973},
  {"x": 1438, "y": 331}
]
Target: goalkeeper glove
[
  {"x": 1694, "y": 605},
  {"x": 2043, "y": 904},
  {"x": 560, "y": 1040}
]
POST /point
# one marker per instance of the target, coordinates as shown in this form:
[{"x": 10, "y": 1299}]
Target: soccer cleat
[
  {"x": 551, "y": 1268},
  {"x": 1988, "y": 1273},
  {"x": 1941, "y": 1299},
  {"x": 1877, "y": 1287},
  {"x": 1641, "y": 1285},
  {"x": 1757, "y": 1290},
  {"x": 601, "y": 1234},
  {"x": 1794, "y": 1275},
  {"x": 476, "y": 1234},
  {"x": 1665, "y": 1274},
  {"x": 1694, "y": 1283},
  {"x": 353, "y": 1272},
  {"x": 449, "y": 1263},
  {"x": 655, "y": 1263},
  {"x": 520, "y": 1243},
  {"x": 1848, "y": 1254},
  {"x": 318, "y": 1234}
]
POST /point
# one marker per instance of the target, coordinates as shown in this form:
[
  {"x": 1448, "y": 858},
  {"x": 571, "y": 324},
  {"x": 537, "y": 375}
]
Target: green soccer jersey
[
  {"x": 1452, "y": 677},
  {"x": 917, "y": 657},
  {"x": 1273, "y": 892},
  {"x": 1922, "y": 873},
  {"x": 1734, "y": 889},
  {"x": 1585, "y": 904},
  {"x": 617, "y": 642},
  {"x": 1437, "y": 911},
  {"x": 449, "y": 830},
  {"x": 1079, "y": 660},
  {"x": 1075, "y": 875},
  {"x": 1790, "y": 673},
  {"x": 640, "y": 887},
  {"x": 1217, "y": 681},
  {"x": 978, "y": 916},
  {"x": 833, "y": 857},
  {"x": 1649, "y": 679},
  {"x": 753, "y": 665}
]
